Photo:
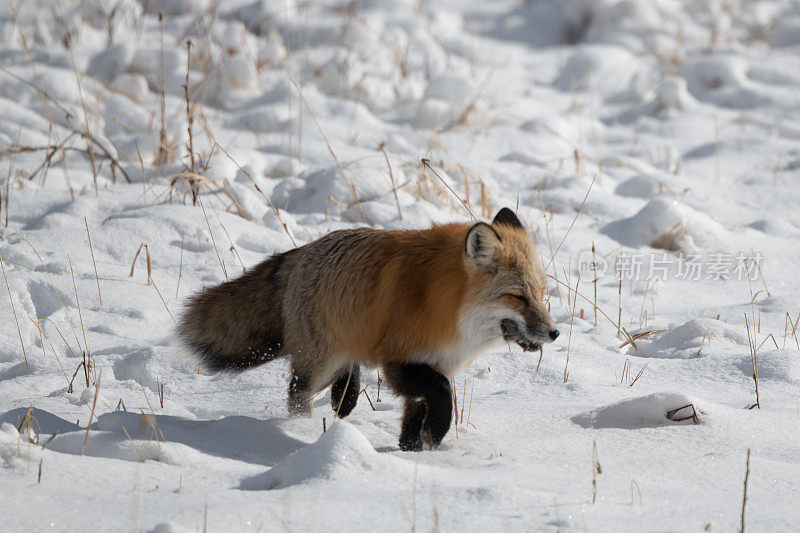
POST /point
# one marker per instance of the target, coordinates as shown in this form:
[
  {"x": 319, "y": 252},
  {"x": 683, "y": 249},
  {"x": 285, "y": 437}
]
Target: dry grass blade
[
  {"x": 630, "y": 339},
  {"x": 597, "y": 469},
  {"x": 637, "y": 336},
  {"x": 43, "y": 336},
  {"x": 260, "y": 191},
  {"x": 80, "y": 314},
  {"x": 328, "y": 144},
  {"x": 14, "y": 311},
  {"x": 156, "y": 425},
  {"x": 27, "y": 422},
  {"x": 91, "y": 250},
  {"x": 180, "y": 270},
  {"x": 381, "y": 147},
  {"x": 15, "y": 263},
  {"x": 580, "y": 209},
  {"x": 346, "y": 385},
  {"x": 162, "y": 300},
  {"x": 189, "y": 117},
  {"x": 91, "y": 415},
  {"x": 569, "y": 339},
  {"x": 744, "y": 495},
  {"x": 214, "y": 242},
  {"x": 53, "y": 285},
  {"x": 87, "y": 132},
  {"x": 672, "y": 414},
  {"x": 610, "y": 320},
  {"x": 141, "y": 458},
  {"x": 44, "y": 96},
  {"x": 638, "y": 375},
  {"x": 365, "y": 393},
  {"x": 149, "y": 261},
  {"x": 754, "y": 359},
  {"x": 426, "y": 163}
]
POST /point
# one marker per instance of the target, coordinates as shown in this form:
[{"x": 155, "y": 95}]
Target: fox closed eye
[{"x": 518, "y": 297}]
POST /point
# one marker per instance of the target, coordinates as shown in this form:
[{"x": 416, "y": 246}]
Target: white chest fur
[{"x": 479, "y": 330}]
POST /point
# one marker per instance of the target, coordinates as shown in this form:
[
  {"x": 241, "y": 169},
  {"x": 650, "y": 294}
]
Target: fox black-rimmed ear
[
  {"x": 508, "y": 217},
  {"x": 482, "y": 245}
]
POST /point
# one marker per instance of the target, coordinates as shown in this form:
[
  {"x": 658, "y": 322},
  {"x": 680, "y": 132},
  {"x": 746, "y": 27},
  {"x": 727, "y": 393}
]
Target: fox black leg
[
  {"x": 415, "y": 413},
  {"x": 299, "y": 395},
  {"x": 429, "y": 404},
  {"x": 345, "y": 390}
]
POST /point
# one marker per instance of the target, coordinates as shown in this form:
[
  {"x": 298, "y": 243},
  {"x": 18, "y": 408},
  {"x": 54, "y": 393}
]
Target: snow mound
[
  {"x": 138, "y": 366},
  {"x": 342, "y": 452},
  {"x": 599, "y": 68},
  {"x": 9, "y": 437},
  {"x": 776, "y": 365},
  {"x": 328, "y": 189},
  {"x": 669, "y": 97},
  {"x": 637, "y": 187},
  {"x": 450, "y": 87},
  {"x": 687, "y": 340},
  {"x": 46, "y": 422},
  {"x": 15, "y": 448},
  {"x": 669, "y": 225},
  {"x": 641, "y": 412},
  {"x": 112, "y": 61}
]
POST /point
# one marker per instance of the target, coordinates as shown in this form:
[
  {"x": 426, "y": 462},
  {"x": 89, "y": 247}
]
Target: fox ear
[
  {"x": 506, "y": 216},
  {"x": 482, "y": 245}
]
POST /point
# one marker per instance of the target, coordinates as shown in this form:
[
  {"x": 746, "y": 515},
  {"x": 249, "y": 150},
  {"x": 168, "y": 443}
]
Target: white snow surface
[{"x": 678, "y": 118}]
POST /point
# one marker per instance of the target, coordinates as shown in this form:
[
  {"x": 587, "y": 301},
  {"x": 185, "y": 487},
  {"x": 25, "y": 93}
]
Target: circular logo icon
[{"x": 591, "y": 266}]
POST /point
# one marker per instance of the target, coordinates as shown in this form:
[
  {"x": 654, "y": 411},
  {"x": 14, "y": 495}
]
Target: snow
[{"x": 680, "y": 119}]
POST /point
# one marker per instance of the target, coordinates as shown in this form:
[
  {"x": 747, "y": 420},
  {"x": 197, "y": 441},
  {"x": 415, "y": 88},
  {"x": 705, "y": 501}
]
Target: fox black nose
[{"x": 554, "y": 334}]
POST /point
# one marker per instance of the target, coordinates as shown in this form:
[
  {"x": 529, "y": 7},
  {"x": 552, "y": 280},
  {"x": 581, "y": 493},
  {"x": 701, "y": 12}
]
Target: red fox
[{"x": 420, "y": 304}]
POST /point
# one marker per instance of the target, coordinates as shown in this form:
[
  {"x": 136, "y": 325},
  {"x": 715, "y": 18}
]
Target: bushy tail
[{"x": 239, "y": 324}]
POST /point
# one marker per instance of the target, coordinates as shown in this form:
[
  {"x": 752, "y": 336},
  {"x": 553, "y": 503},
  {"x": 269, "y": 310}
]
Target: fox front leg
[
  {"x": 345, "y": 390},
  {"x": 429, "y": 404}
]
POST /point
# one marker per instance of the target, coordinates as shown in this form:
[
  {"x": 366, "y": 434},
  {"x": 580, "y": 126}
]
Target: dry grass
[
  {"x": 751, "y": 344},
  {"x": 45, "y": 98},
  {"x": 577, "y": 214},
  {"x": 426, "y": 163},
  {"x": 166, "y": 148},
  {"x": 744, "y": 494},
  {"x": 87, "y": 132},
  {"x": 381, "y": 147},
  {"x": 53, "y": 285},
  {"x": 150, "y": 280},
  {"x": 14, "y": 311},
  {"x": 587, "y": 300},
  {"x": 149, "y": 262},
  {"x": 569, "y": 339},
  {"x": 91, "y": 415},
  {"x": 631, "y": 339},
  {"x": 672, "y": 414},
  {"x": 43, "y": 336},
  {"x": 213, "y": 241},
  {"x": 330, "y": 149},
  {"x": 597, "y": 469},
  {"x": 190, "y": 120},
  {"x": 94, "y": 264},
  {"x": 671, "y": 239}
]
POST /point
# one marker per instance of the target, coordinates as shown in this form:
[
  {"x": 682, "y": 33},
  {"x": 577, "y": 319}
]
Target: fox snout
[{"x": 530, "y": 336}]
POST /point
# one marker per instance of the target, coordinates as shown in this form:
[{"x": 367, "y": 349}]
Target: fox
[{"x": 420, "y": 305}]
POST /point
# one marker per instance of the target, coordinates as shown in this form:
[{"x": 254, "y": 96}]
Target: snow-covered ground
[{"x": 666, "y": 134}]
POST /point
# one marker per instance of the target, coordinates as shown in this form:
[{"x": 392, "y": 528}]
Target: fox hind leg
[
  {"x": 300, "y": 394},
  {"x": 345, "y": 390},
  {"x": 429, "y": 404},
  {"x": 415, "y": 413}
]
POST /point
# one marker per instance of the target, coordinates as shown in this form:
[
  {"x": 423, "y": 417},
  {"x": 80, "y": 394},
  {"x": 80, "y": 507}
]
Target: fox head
[{"x": 511, "y": 282}]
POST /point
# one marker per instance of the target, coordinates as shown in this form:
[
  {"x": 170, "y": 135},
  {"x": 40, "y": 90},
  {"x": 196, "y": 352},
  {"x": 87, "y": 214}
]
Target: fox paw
[{"x": 411, "y": 443}]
